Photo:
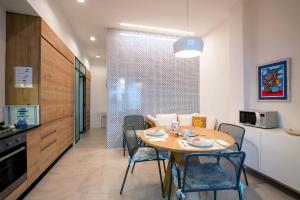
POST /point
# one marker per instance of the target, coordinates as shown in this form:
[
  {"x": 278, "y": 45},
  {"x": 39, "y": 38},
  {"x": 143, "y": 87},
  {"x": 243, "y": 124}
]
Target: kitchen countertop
[{"x": 16, "y": 131}]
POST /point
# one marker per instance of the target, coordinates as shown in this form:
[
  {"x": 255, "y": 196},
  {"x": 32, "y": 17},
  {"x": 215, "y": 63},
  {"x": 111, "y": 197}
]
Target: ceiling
[
  {"x": 93, "y": 17},
  {"x": 18, "y": 6}
]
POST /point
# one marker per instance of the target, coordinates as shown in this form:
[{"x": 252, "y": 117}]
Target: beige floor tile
[{"x": 89, "y": 171}]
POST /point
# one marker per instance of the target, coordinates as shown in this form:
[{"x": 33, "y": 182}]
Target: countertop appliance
[
  {"x": 261, "y": 119},
  {"x": 13, "y": 161}
]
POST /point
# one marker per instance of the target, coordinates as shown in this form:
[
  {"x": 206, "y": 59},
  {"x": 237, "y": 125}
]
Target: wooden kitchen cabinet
[
  {"x": 87, "y": 100},
  {"x": 33, "y": 155},
  {"x": 32, "y": 43},
  {"x": 45, "y": 144},
  {"x": 57, "y": 84}
]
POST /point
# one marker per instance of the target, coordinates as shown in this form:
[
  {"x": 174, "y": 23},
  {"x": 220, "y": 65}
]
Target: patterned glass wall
[{"x": 144, "y": 77}]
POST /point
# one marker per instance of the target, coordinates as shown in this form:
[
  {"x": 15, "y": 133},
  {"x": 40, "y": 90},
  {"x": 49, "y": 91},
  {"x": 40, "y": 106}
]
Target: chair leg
[
  {"x": 161, "y": 181},
  {"x": 170, "y": 187},
  {"x": 245, "y": 175},
  {"x": 164, "y": 166},
  {"x": 240, "y": 194},
  {"x": 215, "y": 195},
  {"x": 124, "y": 146},
  {"x": 125, "y": 178},
  {"x": 133, "y": 168}
]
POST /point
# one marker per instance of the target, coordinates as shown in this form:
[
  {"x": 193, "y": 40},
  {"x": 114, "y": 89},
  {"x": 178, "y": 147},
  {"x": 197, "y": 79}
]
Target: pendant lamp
[{"x": 188, "y": 47}]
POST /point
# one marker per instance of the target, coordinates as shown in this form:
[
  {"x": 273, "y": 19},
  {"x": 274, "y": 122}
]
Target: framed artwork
[{"x": 273, "y": 81}]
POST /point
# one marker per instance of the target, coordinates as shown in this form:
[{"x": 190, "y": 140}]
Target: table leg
[{"x": 179, "y": 158}]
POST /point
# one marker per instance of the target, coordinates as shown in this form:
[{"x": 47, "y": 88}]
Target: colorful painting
[{"x": 273, "y": 81}]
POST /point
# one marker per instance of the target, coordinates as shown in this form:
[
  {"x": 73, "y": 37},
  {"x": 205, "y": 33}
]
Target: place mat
[
  {"x": 185, "y": 145},
  {"x": 157, "y": 139},
  {"x": 222, "y": 142}
]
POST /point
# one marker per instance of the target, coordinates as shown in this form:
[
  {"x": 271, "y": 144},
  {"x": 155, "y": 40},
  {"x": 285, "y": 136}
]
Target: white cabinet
[
  {"x": 280, "y": 157},
  {"x": 251, "y": 147}
]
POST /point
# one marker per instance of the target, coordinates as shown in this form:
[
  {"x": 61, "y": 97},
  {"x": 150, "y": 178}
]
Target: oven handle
[{"x": 12, "y": 154}]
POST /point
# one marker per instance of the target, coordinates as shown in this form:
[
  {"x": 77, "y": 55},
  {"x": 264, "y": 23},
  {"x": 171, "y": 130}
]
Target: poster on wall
[
  {"x": 23, "y": 77},
  {"x": 273, "y": 81}
]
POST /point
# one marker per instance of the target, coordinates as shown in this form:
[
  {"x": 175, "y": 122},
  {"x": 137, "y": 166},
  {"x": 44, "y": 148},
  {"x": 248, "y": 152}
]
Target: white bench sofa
[{"x": 184, "y": 120}]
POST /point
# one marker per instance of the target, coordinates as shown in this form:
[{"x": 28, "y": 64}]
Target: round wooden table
[
  {"x": 178, "y": 151},
  {"x": 171, "y": 143}
]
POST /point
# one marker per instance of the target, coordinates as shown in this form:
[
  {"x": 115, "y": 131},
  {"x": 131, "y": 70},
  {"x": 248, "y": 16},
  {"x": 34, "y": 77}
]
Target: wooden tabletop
[{"x": 171, "y": 143}]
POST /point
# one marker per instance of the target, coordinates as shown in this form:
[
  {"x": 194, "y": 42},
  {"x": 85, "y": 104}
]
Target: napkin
[
  {"x": 161, "y": 139},
  {"x": 222, "y": 142}
]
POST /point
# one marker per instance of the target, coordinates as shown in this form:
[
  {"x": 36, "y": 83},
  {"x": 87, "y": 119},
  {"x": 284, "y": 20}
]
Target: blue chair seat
[
  {"x": 148, "y": 154},
  {"x": 208, "y": 175}
]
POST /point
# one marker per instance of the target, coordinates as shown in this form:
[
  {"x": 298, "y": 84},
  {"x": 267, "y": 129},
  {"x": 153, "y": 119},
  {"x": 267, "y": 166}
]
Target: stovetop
[
  {"x": 10, "y": 131},
  {"x": 4, "y": 130}
]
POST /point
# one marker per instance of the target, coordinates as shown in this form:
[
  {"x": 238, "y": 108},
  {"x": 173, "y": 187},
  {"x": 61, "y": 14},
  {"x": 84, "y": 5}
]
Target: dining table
[{"x": 179, "y": 148}]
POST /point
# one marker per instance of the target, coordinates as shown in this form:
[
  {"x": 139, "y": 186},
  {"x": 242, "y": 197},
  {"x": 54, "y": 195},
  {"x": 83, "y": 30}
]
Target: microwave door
[{"x": 257, "y": 117}]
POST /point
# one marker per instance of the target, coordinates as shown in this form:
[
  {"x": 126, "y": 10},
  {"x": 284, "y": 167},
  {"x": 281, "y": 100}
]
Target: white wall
[
  {"x": 272, "y": 30},
  {"x": 256, "y": 32},
  {"x": 98, "y": 93},
  {"x": 51, "y": 13},
  {"x": 214, "y": 72},
  {"x": 2, "y": 59}
]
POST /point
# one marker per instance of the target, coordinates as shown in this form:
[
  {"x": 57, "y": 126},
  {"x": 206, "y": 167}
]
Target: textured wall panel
[{"x": 144, "y": 77}]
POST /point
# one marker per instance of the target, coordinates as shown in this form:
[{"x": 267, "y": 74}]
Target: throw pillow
[{"x": 199, "y": 122}]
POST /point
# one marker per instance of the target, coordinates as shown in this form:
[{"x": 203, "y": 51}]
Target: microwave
[{"x": 260, "y": 119}]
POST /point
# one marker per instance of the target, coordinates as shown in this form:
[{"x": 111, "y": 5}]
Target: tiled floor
[{"x": 89, "y": 171}]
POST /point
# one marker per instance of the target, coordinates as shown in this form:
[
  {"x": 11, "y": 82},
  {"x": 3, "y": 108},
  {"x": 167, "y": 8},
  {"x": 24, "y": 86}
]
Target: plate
[
  {"x": 189, "y": 133},
  {"x": 200, "y": 142},
  {"x": 155, "y": 133}
]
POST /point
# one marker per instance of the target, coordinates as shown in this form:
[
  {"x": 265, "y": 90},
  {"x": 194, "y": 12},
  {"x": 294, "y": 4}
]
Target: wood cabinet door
[
  {"x": 33, "y": 155},
  {"x": 49, "y": 148},
  {"x": 57, "y": 84},
  {"x": 48, "y": 91},
  {"x": 88, "y": 104}
]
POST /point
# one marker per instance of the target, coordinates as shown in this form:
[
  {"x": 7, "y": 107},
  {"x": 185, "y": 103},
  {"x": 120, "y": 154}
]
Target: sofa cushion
[
  {"x": 210, "y": 121},
  {"x": 166, "y": 119},
  {"x": 199, "y": 122},
  {"x": 186, "y": 120}
]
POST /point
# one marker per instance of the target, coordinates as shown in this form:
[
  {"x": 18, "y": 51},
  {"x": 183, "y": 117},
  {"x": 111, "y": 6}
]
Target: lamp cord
[{"x": 187, "y": 15}]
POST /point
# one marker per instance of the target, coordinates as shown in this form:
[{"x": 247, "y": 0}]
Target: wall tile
[{"x": 144, "y": 77}]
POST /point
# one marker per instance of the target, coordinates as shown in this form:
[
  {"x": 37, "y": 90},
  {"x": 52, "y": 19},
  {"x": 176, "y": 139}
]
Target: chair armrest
[{"x": 149, "y": 123}]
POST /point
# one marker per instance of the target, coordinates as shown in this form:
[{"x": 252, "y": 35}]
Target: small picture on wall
[{"x": 273, "y": 81}]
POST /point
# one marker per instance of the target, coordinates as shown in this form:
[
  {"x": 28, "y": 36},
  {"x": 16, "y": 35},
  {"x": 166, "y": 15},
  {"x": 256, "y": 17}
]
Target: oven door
[{"x": 13, "y": 168}]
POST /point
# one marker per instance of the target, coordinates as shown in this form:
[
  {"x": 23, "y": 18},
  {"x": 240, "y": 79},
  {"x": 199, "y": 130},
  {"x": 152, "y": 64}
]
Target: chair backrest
[
  {"x": 137, "y": 121},
  {"x": 131, "y": 139},
  {"x": 203, "y": 171},
  {"x": 235, "y": 131}
]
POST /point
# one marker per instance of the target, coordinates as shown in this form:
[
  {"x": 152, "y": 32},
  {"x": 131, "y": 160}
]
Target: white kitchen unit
[
  {"x": 280, "y": 157},
  {"x": 274, "y": 153},
  {"x": 251, "y": 146}
]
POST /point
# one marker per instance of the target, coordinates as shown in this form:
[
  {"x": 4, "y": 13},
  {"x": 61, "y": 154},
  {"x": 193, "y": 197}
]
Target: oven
[{"x": 13, "y": 164}]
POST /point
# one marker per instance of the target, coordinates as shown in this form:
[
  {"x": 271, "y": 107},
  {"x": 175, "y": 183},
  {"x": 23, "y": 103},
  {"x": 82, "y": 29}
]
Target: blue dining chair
[
  {"x": 137, "y": 121},
  {"x": 208, "y": 172},
  {"x": 238, "y": 134},
  {"x": 138, "y": 153}
]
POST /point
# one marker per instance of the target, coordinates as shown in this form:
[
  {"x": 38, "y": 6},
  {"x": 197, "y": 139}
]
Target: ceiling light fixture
[
  {"x": 188, "y": 47},
  {"x": 148, "y": 36},
  {"x": 97, "y": 56},
  {"x": 153, "y": 28},
  {"x": 81, "y": 1},
  {"x": 92, "y": 38}
]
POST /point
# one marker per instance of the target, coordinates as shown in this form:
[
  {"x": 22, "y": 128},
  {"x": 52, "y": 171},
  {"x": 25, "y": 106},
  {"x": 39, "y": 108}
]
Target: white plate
[
  {"x": 200, "y": 142},
  {"x": 155, "y": 133}
]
